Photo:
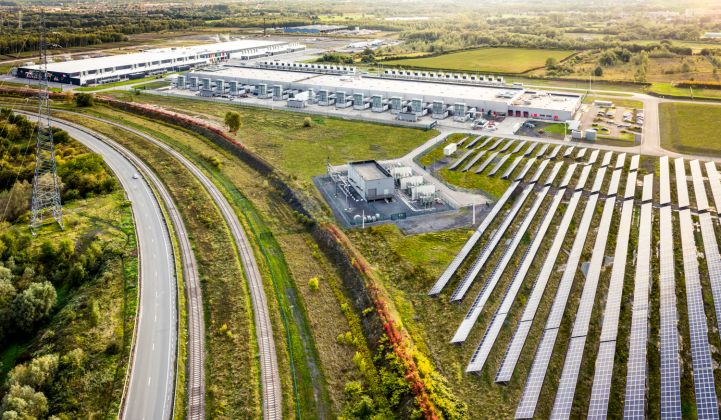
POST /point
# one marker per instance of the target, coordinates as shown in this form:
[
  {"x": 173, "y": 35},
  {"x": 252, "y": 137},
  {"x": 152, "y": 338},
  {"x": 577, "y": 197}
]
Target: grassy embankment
[
  {"x": 691, "y": 128},
  {"x": 495, "y": 60}
]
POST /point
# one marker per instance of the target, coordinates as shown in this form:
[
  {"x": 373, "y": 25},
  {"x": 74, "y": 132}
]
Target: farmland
[
  {"x": 494, "y": 60},
  {"x": 686, "y": 128}
]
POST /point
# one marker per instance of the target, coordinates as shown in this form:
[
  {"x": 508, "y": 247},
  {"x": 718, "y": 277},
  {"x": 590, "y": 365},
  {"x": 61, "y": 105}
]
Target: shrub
[
  {"x": 84, "y": 100},
  {"x": 307, "y": 122},
  {"x": 313, "y": 283}
]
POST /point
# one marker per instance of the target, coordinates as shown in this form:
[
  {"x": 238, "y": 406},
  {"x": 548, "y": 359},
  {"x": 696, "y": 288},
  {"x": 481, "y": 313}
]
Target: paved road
[
  {"x": 152, "y": 382},
  {"x": 270, "y": 377}
]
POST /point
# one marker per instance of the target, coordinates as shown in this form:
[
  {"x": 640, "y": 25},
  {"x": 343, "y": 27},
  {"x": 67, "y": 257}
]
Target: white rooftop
[
  {"x": 407, "y": 88},
  {"x": 157, "y": 54}
]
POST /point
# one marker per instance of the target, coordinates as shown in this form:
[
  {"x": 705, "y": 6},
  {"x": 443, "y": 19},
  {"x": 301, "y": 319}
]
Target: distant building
[
  {"x": 712, "y": 35},
  {"x": 314, "y": 29},
  {"x": 119, "y": 67},
  {"x": 371, "y": 180}
]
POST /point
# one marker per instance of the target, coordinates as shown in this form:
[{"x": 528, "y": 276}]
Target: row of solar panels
[{"x": 636, "y": 383}]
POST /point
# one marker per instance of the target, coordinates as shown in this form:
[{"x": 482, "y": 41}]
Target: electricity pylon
[{"x": 46, "y": 189}]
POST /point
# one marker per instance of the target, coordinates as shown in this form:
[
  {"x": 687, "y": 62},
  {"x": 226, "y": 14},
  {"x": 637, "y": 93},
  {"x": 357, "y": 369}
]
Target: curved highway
[
  {"x": 270, "y": 377},
  {"x": 155, "y": 338}
]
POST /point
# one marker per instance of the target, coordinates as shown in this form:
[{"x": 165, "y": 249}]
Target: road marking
[{"x": 149, "y": 380}]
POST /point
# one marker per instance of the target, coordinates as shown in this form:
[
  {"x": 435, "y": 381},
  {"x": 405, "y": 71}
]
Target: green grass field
[
  {"x": 498, "y": 60},
  {"x": 691, "y": 128},
  {"x": 667, "y": 89}
]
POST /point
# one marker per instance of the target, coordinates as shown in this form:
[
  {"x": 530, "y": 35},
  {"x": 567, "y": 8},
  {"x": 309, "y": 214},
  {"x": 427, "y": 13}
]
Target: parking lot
[{"x": 612, "y": 122}]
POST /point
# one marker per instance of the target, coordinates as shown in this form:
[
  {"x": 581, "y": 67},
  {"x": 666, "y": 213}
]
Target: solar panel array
[
  {"x": 526, "y": 168},
  {"x": 498, "y": 164},
  {"x": 461, "y": 141},
  {"x": 518, "y": 147},
  {"x": 472, "y": 315},
  {"x": 710, "y": 245},
  {"x": 460, "y": 159},
  {"x": 514, "y": 349},
  {"x": 473, "y": 143},
  {"x": 530, "y": 149},
  {"x": 506, "y": 146},
  {"x": 635, "y": 401},
  {"x": 471, "y": 242},
  {"x": 594, "y": 156},
  {"x": 488, "y": 248},
  {"x": 569, "y": 376},
  {"x": 555, "y": 151},
  {"x": 489, "y": 338},
  {"x": 511, "y": 167},
  {"x": 581, "y": 153},
  {"x": 473, "y": 161},
  {"x": 542, "y": 151},
  {"x": 607, "y": 348},
  {"x": 669, "y": 344},
  {"x": 496, "y": 144},
  {"x": 704, "y": 386},
  {"x": 715, "y": 182},
  {"x": 486, "y": 162},
  {"x": 534, "y": 382},
  {"x": 568, "y": 152}
]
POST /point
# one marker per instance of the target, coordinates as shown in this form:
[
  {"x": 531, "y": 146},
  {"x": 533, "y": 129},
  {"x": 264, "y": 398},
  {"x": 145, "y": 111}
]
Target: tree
[
  {"x": 551, "y": 63},
  {"x": 15, "y": 202},
  {"x": 22, "y": 402},
  {"x": 7, "y": 294},
  {"x": 84, "y": 100},
  {"x": 607, "y": 58},
  {"x": 34, "y": 304},
  {"x": 36, "y": 374},
  {"x": 232, "y": 120},
  {"x": 598, "y": 71}
]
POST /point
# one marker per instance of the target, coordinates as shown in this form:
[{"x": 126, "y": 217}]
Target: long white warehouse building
[
  {"x": 114, "y": 68},
  {"x": 438, "y": 98}
]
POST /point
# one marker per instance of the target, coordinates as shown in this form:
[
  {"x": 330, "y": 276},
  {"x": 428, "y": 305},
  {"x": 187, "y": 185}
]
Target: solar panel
[
  {"x": 506, "y": 146},
  {"x": 461, "y": 141},
  {"x": 669, "y": 348},
  {"x": 532, "y": 389},
  {"x": 526, "y": 168},
  {"x": 488, "y": 248},
  {"x": 511, "y": 167},
  {"x": 486, "y": 162},
  {"x": 568, "y": 152},
  {"x": 498, "y": 164},
  {"x": 715, "y": 182},
  {"x": 460, "y": 159},
  {"x": 475, "y": 310},
  {"x": 473, "y": 143},
  {"x": 704, "y": 387},
  {"x": 555, "y": 151},
  {"x": 518, "y": 147},
  {"x": 530, "y": 149},
  {"x": 635, "y": 159},
  {"x": 581, "y": 153},
  {"x": 499, "y": 141},
  {"x": 665, "y": 181},
  {"x": 542, "y": 151},
  {"x": 594, "y": 157},
  {"x": 519, "y": 338},
  {"x": 710, "y": 245},
  {"x": 607, "y": 158},
  {"x": 635, "y": 401},
  {"x": 471, "y": 242},
  {"x": 473, "y": 161},
  {"x": 569, "y": 375},
  {"x": 621, "y": 160}
]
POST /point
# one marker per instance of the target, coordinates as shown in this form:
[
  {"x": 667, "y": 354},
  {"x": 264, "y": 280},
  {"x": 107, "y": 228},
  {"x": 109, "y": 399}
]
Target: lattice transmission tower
[{"x": 46, "y": 190}]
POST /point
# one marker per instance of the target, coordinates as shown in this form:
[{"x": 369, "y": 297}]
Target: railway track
[
  {"x": 196, "y": 350},
  {"x": 270, "y": 377}
]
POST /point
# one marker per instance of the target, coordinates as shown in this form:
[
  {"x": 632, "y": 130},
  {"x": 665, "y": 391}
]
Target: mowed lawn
[
  {"x": 497, "y": 60},
  {"x": 691, "y": 128}
]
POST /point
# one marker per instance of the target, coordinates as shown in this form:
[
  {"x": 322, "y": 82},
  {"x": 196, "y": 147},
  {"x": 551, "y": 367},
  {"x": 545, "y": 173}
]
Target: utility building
[{"x": 371, "y": 180}]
